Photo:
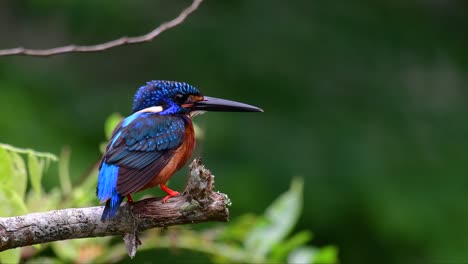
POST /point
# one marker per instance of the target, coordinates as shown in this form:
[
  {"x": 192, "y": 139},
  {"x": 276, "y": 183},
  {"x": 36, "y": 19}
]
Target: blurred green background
[{"x": 365, "y": 100}]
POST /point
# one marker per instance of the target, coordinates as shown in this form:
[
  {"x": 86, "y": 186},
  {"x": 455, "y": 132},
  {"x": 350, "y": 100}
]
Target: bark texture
[{"x": 198, "y": 203}]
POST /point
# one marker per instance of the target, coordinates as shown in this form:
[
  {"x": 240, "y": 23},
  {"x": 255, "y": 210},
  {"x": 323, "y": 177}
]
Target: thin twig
[{"x": 107, "y": 45}]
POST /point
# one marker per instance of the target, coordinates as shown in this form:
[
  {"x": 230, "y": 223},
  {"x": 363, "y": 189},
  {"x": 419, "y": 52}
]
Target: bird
[{"x": 155, "y": 141}]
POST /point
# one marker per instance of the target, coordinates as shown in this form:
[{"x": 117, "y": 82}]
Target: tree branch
[
  {"x": 107, "y": 45},
  {"x": 198, "y": 203}
]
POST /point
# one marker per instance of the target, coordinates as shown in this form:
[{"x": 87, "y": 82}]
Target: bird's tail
[
  {"x": 111, "y": 208},
  {"x": 107, "y": 191}
]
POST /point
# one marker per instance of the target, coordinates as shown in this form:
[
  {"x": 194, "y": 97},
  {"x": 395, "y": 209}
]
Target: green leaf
[
  {"x": 199, "y": 132},
  {"x": 47, "y": 202},
  {"x": 20, "y": 174},
  {"x": 325, "y": 255},
  {"x": 102, "y": 147},
  {"x": 80, "y": 196},
  {"x": 279, "y": 219},
  {"x": 65, "y": 250},
  {"x": 17, "y": 204},
  {"x": 238, "y": 229},
  {"x": 64, "y": 173},
  {"x": 12, "y": 204},
  {"x": 10, "y": 256},
  {"x": 281, "y": 250},
  {"x": 52, "y": 200},
  {"x": 6, "y": 168},
  {"x": 328, "y": 254},
  {"x": 303, "y": 255},
  {"x": 5, "y": 206},
  {"x": 111, "y": 122},
  {"x": 35, "y": 173},
  {"x": 43, "y": 155}
]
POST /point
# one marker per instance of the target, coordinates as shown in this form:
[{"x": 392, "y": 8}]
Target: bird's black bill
[{"x": 222, "y": 105}]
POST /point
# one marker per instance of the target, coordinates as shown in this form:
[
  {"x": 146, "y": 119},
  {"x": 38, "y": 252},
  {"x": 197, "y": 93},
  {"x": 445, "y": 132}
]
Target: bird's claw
[{"x": 169, "y": 195}]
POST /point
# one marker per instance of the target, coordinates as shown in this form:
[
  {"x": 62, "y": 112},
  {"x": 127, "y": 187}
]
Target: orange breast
[{"x": 180, "y": 158}]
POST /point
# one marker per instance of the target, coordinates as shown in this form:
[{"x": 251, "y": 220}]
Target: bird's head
[{"x": 182, "y": 98}]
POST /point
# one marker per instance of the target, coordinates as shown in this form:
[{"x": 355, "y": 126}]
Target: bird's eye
[{"x": 180, "y": 98}]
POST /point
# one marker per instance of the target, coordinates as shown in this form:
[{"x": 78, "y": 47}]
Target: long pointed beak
[{"x": 222, "y": 105}]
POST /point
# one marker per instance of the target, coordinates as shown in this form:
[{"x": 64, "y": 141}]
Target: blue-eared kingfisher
[{"x": 156, "y": 140}]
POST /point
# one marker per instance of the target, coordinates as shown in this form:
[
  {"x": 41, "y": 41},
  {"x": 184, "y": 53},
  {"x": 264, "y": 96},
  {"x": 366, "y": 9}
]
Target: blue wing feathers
[
  {"x": 130, "y": 118},
  {"x": 117, "y": 136}
]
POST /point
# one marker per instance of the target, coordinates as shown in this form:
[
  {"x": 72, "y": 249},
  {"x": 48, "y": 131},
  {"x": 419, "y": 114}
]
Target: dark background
[{"x": 365, "y": 100}]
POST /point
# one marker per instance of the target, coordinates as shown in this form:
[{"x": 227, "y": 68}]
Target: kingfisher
[{"x": 155, "y": 141}]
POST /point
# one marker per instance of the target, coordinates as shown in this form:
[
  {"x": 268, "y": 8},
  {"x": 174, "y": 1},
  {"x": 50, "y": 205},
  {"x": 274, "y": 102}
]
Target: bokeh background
[{"x": 366, "y": 100}]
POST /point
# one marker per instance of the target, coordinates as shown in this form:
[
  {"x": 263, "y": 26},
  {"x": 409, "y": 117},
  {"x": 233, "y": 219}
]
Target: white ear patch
[{"x": 153, "y": 109}]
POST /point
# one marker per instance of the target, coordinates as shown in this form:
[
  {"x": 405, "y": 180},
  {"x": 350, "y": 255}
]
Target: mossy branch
[{"x": 198, "y": 203}]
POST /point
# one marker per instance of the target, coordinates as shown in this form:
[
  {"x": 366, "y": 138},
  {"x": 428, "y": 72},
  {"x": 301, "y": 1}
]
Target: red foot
[
  {"x": 170, "y": 193},
  {"x": 129, "y": 198}
]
